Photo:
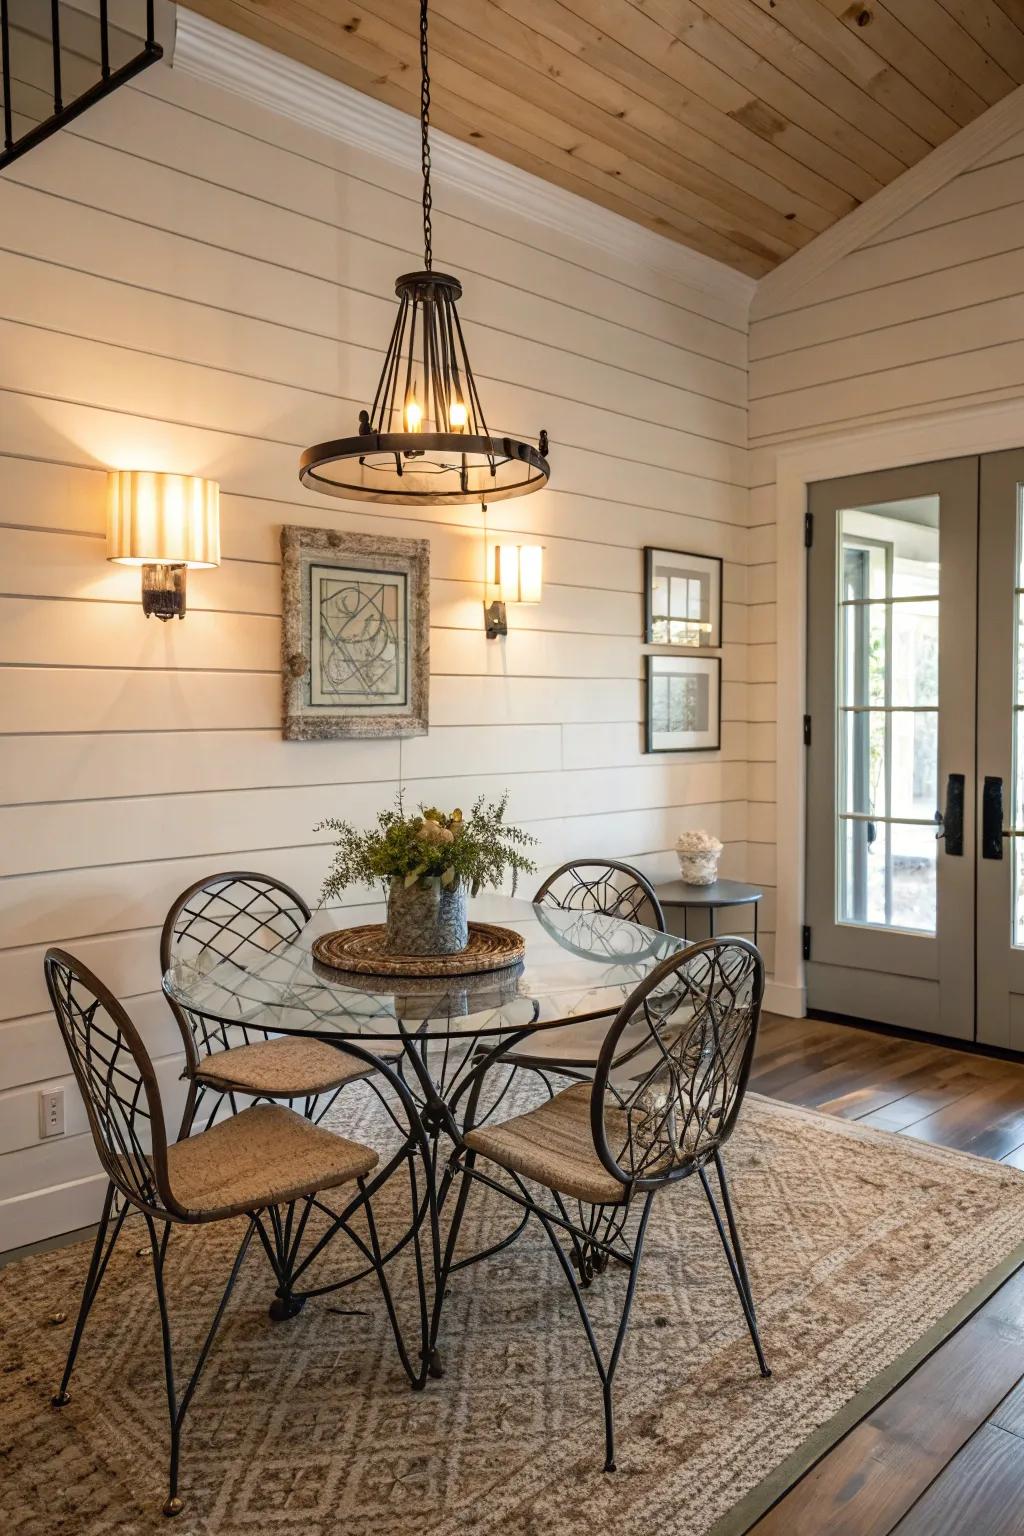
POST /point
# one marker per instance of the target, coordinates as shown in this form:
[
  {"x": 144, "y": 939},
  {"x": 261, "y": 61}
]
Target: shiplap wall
[
  {"x": 188, "y": 282},
  {"x": 925, "y": 317}
]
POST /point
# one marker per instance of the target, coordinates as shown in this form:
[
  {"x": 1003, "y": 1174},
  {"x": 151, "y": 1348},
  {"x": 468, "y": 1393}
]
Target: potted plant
[{"x": 427, "y": 863}]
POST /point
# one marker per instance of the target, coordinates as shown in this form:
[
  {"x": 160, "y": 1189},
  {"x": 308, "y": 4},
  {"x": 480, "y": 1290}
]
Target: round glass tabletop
[{"x": 577, "y": 965}]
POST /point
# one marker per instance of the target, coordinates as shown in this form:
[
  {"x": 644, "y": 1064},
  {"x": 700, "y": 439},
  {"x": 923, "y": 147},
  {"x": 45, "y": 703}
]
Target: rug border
[{"x": 738, "y": 1520}]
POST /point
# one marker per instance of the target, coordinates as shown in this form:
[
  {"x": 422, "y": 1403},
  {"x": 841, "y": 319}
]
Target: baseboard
[
  {"x": 46, "y": 1213},
  {"x": 787, "y": 1000}
]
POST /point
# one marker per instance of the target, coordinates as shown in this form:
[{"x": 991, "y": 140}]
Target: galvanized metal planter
[{"x": 426, "y": 918}]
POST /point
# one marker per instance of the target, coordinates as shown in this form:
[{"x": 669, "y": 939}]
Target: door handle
[
  {"x": 992, "y": 819},
  {"x": 951, "y": 822}
]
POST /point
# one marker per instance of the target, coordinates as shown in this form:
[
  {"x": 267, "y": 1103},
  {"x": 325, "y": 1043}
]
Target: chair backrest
[
  {"x": 666, "y": 1094},
  {"x": 118, "y": 1084},
  {"x": 605, "y": 886},
  {"x": 237, "y": 916}
]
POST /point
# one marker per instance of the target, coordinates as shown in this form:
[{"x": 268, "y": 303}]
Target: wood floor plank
[
  {"x": 980, "y": 1493},
  {"x": 874, "y": 1477},
  {"x": 937, "y": 1092},
  {"x": 885, "y": 1090},
  {"x": 1010, "y": 1413},
  {"x": 988, "y": 1122}
]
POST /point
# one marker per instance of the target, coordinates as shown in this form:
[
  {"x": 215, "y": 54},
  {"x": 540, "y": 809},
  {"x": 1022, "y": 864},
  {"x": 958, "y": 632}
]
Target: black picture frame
[
  {"x": 714, "y": 641},
  {"x": 672, "y": 663}
]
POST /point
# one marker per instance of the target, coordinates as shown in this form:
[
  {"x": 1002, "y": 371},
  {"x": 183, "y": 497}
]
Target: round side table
[{"x": 709, "y": 898}]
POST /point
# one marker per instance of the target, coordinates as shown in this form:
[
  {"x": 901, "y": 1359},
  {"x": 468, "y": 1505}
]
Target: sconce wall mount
[{"x": 495, "y": 619}]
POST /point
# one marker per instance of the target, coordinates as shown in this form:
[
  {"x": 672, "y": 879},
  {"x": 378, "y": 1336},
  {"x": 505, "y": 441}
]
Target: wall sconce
[
  {"x": 165, "y": 523},
  {"x": 519, "y": 577}
]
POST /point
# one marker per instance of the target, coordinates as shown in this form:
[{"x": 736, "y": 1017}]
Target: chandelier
[{"x": 425, "y": 438}]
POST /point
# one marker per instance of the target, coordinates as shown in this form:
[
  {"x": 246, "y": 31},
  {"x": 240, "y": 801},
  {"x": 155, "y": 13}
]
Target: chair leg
[
  {"x": 173, "y": 1504},
  {"x": 97, "y": 1268},
  {"x": 605, "y": 1371},
  {"x": 733, "y": 1248}
]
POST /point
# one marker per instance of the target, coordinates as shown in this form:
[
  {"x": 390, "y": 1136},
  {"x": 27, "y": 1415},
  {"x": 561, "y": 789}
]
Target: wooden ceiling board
[
  {"x": 991, "y": 26},
  {"x": 883, "y": 143},
  {"x": 740, "y": 128},
  {"x": 621, "y": 41}
]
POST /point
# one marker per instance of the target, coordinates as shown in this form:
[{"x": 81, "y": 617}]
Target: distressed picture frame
[{"x": 355, "y": 644}]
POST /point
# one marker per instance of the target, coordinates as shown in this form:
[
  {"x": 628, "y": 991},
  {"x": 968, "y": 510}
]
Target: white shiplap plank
[{"x": 583, "y": 538}]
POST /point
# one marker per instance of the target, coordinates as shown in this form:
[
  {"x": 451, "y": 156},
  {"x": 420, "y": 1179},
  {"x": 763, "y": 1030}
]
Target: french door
[
  {"x": 892, "y": 619},
  {"x": 915, "y": 755}
]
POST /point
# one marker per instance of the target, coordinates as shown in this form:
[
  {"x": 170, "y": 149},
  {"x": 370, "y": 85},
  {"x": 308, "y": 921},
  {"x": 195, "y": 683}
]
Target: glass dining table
[{"x": 433, "y": 1039}]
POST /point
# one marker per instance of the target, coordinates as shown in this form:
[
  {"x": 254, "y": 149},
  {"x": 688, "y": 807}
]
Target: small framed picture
[
  {"x": 684, "y": 703},
  {"x": 683, "y": 598}
]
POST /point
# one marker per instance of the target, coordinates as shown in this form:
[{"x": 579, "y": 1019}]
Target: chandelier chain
[{"x": 428, "y": 253}]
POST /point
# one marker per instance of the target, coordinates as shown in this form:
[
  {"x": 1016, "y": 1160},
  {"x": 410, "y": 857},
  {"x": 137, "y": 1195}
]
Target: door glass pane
[
  {"x": 906, "y": 741},
  {"x": 887, "y": 725}
]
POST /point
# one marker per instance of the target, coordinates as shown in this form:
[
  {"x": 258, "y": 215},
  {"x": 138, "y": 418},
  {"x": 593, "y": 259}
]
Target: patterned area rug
[{"x": 858, "y": 1242}]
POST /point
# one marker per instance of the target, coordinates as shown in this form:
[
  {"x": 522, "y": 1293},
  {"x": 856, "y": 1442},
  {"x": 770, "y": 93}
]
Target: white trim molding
[
  {"x": 951, "y": 435},
  {"x": 224, "y": 58},
  {"x": 791, "y": 1002},
  {"x": 858, "y": 228}
]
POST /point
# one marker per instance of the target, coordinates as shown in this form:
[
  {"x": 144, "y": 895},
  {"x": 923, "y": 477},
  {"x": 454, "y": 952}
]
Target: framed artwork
[
  {"x": 356, "y": 638},
  {"x": 682, "y": 598},
  {"x": 684, "y": 703}
]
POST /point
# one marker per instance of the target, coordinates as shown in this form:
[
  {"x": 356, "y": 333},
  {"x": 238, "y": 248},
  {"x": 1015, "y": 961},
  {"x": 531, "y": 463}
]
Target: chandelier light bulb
[
  {"x": 458, "y": 415},
  {"x": 413, "y": 415}
]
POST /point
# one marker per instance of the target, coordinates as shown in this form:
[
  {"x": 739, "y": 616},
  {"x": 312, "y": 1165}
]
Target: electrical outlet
[{"x": 51, "y": 1112}]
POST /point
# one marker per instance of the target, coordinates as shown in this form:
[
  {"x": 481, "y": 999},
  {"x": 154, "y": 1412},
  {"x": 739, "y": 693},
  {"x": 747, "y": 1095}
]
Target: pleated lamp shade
[{"x": 162, "y": 519}]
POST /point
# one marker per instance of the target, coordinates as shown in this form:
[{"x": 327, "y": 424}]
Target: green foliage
[{"x": 478, "y": 849}]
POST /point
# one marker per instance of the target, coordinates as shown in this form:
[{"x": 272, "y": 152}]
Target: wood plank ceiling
[{"x": 741, "y": 128}]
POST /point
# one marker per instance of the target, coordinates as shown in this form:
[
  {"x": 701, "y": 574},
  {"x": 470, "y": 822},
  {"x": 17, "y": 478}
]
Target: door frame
[{"x": 885, "y": 445}]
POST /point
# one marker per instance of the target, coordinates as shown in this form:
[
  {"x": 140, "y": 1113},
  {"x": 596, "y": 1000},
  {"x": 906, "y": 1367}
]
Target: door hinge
[
  {"x": 807, "y": 730},
  {"x": 808, "y": 529},
  {"x": 805, "y": 943}
]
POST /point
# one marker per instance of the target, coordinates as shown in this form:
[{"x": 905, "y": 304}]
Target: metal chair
[
  {"x": 608, "y": 888},
  {"x": 668, "y": 1086},
  {"x": 266, "y": 1163},
  {"x": 239, "y": 916}
]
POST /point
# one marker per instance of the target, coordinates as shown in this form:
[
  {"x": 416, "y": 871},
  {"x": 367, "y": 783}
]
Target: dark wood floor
[{"x": 944, "y": 1454}]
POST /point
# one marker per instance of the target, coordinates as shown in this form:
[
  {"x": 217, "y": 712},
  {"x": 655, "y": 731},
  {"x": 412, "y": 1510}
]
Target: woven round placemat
[{"x": 361, "y": 951}]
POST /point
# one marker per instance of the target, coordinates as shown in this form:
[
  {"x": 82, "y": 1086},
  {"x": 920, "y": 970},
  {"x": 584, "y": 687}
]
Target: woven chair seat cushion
[
  {"x": 267, "y": 1155},
  {"x": 288, "y": 1067},
  {"x": 576, "y": 1046},
  {"x": 554, "y": 1146}
]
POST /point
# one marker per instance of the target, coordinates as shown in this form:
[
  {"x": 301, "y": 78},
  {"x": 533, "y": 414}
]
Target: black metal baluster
[
  {"x": 105, "y": 41},
  {"x": 58, "y": 104},
  {"x": 5, "y": 44}
]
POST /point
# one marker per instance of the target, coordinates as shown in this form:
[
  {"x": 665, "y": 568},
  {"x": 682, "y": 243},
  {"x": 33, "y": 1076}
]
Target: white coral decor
[{"x": 699, "y": 853}]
